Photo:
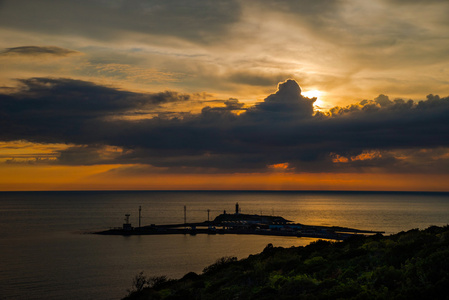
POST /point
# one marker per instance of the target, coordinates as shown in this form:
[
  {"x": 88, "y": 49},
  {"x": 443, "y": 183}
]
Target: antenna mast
[{"x": 140, "y": 216}]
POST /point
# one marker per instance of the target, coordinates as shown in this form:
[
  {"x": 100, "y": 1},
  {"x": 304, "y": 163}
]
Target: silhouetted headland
[
  {"x": 238, "y": 223},
  {"x": 406, "y": 265}
]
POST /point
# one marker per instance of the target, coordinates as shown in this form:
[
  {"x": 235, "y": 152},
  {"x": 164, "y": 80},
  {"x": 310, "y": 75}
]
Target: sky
[{"x": 220, "y": 95}]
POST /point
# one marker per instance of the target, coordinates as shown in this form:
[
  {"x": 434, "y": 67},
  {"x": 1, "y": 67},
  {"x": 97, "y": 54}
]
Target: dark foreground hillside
[{"x": 408, "y": 265}]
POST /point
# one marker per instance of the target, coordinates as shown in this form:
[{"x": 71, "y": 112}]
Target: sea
[{"x": 48, "y": 251}]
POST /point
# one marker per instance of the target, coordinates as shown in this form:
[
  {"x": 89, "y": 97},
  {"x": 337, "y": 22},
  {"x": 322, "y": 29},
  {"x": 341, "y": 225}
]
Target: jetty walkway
[{"x": 239, "y": 223}]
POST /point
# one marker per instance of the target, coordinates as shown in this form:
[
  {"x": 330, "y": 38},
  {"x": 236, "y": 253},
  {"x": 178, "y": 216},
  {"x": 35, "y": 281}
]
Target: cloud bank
[{"x": 283, "y": 132}]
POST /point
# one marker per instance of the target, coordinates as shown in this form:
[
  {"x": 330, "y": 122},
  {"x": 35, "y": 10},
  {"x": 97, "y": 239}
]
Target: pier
[{"x": 239, "y": 223}]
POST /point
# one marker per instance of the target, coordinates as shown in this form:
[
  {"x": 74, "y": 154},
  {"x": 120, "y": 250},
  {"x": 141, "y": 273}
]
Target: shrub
[{"x": 220, "y": 264}]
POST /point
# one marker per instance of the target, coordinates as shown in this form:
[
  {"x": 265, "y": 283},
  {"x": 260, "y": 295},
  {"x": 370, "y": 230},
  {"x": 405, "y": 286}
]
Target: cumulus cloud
[
  {"x": 287, "y": 101},
  {"x": 282, "y": 130}
]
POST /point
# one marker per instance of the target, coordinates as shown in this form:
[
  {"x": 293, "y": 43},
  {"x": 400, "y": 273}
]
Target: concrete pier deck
[
  {"x": 238, "y": 223},
  {"x": 296, "y": 230}
]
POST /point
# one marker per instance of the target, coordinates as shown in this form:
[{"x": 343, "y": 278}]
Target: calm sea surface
[{"x": 45, "y": 252}]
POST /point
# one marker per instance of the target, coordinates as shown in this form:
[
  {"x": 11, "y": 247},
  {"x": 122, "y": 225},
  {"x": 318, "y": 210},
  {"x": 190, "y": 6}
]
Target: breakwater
[{"x": 238, "y": 223}]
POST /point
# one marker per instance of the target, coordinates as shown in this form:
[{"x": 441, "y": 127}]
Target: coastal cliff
[{"x": 407, "y": 265}]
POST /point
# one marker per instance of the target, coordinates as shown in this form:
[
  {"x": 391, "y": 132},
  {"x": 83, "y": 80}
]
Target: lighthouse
[
  {"x": 237, "y": 209},
  {"x": 127, "y": 225}
]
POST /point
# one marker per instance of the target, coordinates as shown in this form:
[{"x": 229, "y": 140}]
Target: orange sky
[{"x": 38, "y": 178}]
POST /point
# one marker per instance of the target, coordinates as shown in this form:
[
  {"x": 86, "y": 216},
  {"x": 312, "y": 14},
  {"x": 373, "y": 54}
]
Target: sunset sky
[{"x": 238, "y": 94}]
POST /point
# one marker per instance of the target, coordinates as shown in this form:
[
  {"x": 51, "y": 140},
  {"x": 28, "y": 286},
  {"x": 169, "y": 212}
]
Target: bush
[
  {"x": 140, "y": 282},
  {"x": 220, "y": 264}
]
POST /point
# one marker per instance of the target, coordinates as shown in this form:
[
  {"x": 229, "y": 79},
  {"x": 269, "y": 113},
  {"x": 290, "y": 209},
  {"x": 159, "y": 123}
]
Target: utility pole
[{"x": 140, "y": 216}]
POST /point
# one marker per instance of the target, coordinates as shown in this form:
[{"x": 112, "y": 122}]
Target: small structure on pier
[
  {"x": 239, "y": 219},
  {"x": 127, "y": 226}
]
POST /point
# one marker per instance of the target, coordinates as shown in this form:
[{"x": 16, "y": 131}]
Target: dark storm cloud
[
  {"x": 379, "y": 134},
  {"x": 61, "y": 110},
  {"x": 38, "y": 51},
  {"x": 199, "y": 20}
]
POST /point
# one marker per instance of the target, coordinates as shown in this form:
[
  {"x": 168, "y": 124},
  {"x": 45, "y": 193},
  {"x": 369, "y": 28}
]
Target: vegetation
[
  {"x": 140, "y": 282},
  {"x": 407, "y": 265}
]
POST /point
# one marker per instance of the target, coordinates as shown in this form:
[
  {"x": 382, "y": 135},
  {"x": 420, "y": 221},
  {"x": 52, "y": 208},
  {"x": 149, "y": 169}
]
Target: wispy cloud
[
  {"x": 198, "y": 20},
  {"x": 38, "y": 51},
  {"x": 344, "y": 47},
  {"x": 117, "y": 71}
]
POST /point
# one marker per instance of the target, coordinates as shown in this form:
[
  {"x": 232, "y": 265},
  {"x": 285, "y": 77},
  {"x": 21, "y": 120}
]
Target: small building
[
  {"x": 127, "y": 226},
  {"x": 238, "y": 219}
]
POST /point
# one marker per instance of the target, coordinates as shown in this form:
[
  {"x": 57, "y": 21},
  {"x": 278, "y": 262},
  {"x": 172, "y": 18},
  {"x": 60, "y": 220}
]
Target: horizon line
[{"x": 206, "y": 190}]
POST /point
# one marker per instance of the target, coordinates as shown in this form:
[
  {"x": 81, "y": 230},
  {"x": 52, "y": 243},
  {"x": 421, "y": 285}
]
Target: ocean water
[{"x": 46, "y": 251}]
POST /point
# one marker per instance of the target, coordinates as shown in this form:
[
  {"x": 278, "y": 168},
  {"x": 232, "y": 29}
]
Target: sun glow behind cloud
[
  {"x": 319, "y": 104},
  {"x": 312, "y": 94}
]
